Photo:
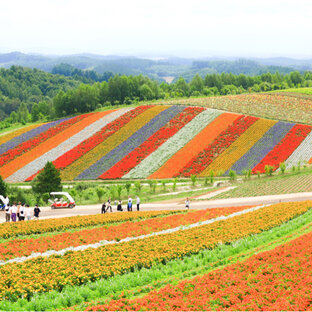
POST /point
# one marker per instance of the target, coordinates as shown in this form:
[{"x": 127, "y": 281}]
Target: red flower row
[
  {"x": 150, "y": 145},
  {"x": 284, "y": 148},
  {"x": 42, "y": 137},
  {"x": 88, "y": 144},
  {"x": 25, "y": 247},
  {"x": 275, "y": 280},
  {"x": 223, "y": 141}
]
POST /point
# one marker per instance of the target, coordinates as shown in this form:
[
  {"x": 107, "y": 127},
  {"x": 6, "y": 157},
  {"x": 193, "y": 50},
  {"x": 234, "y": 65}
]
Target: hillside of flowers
[
  {"x": 233, "y": 258},
  {"x": 153, "y": 141}
]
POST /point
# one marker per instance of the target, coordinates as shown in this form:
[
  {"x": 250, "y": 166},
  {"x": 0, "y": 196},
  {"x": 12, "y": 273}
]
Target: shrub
[
  {"x": 282, "y": 167},
  {"x": 268, "y": 170},
  {"x": 232, "y": 175}
]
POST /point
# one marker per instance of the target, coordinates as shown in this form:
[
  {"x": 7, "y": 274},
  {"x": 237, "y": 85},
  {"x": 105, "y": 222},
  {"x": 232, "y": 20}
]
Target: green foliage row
[{"x": 172, "y": 271}]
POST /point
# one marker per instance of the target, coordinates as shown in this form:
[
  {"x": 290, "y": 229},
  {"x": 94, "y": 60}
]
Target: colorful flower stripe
[
  {"x": 194, "y": 147},
  {"x": 262, "y": 147},
  {"x": 11, "y": 229},
  {"x": 224, "y": 140},
  {"x": 275, "y": 280},
  {"x": 44, "y": 274},
  {"x": 107, "y": 130},
  {"x": 25, "y": 247},
  {"x": 38, "y": 139},
  {"x": 84, "y": 162},
  {"x": 15, "y": 133},
  {"x": 303, "y": 153},
  {"x": 285, "y": 148},
  {"x": 68, "y": 145},
  {"x": 15, "y": 171},
  {"x": 24, "y": 137},
  {"x": 150, "y": 164},
  {"x": 241, "y": 146},
  {"x": 150, "y": 145},
  {"x": 129, "y": 145}
]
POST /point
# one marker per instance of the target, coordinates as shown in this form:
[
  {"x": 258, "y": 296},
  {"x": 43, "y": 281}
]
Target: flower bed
[
  {"x": 130, "y": 144},
  {"x": 155, "y": 160},
  {"x": 25, "y": 247},
  {"x": 284, "y": 149},
  {"x": 103, "y": 148},
  {"x": 45, "y": 274},
  {"x": 150, "y": 145},
  {"x": 223, "y": 141}
]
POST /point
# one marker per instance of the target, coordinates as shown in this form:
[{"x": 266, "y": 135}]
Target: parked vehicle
[{"x": 61, "y": 200}]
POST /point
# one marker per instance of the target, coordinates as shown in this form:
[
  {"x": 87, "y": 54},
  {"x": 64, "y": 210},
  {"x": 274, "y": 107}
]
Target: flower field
[
  {"x": 153, "y": 141},
  {"x": 237, "y": 286}
]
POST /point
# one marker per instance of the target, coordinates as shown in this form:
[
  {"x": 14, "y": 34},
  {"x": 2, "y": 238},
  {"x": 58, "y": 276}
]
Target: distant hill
[{"x": 156, "y": 69}]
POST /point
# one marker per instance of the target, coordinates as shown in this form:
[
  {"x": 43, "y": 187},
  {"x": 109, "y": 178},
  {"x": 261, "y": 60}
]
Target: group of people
[
  {"x": 107, "y": 206},
  {"x": 20, "y": 212}
]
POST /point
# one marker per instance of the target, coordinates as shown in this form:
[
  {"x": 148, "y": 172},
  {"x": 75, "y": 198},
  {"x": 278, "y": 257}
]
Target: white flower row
[
  {"x": 106, "y": 242},
  {"x": 37, "y": 164},
  {"x": 303, "y": 153},
  {"x": 155, "y": 160}
]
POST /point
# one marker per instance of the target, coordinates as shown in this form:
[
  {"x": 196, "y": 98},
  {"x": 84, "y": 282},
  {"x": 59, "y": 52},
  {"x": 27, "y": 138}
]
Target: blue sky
[{"x": 193, "y": 28}]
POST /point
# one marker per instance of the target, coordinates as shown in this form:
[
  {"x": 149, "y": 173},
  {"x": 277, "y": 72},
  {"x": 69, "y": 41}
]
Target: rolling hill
[{"x": 153, "y": 141}]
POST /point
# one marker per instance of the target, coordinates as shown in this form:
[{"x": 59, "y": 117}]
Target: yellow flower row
[
  {"x": 110, "y": 143},
  {"x": 50, "y": 225},
  {"x": 76, "y": 268},
  {"x": 241, "y": 146}
]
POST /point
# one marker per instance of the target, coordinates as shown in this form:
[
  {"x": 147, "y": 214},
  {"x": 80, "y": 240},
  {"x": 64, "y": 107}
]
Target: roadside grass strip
[
  {"x": 44, "y": 274},
  {"x": 130, "y": 144},
  {"x": 150, "y": 145},
  {"x": 155, "y": 160},
  {"x": 302, "y": 154},
  {"x": 266, "y": 144},
  {"x": 285, "y": 148},
  {"x": 35, "y": 166},
  {"x": 144, "y": 280},
  {"x": 25, "y": 247},
  {"x": 18, "y": 163},
  {"x": 239, "y": 147},
  {"x": 55, "y": 146},
  {"x": 15, "y": 133},
  {"x": 103, "y": 148},
  {"x": 118, "y": 119},
  {"x": 198, "y": 164},
  {"x": 274, "y": 280},
  {"x": 172, "y": 166},
  {"x": 9, "y": 230},
  {"x": 31, "y": 133},
  {"x": 38, "y": 139}
]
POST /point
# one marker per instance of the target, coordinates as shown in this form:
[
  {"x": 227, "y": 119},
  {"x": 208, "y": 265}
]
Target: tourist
[
  {"x": 28, "y": 213},
  {"x": 187, "y": 203},
  {"x": 109, "y": 205},
  {"x": 22, "y": 213},
  {"x": 36, "y": 212},
  {"x": 129, "y": 207},
  {"x": 103, "y": 209},
  {"x": 13, "y": 212},
  {"x": 7, "y": 213},
  {"x": 18, "y": 211},
  {"x": 119, "y": 207},
  {"x": 138, "y": 201}
]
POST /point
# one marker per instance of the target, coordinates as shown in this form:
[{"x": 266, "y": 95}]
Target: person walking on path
[
  {"x": 13, "y": 212},
  {"x": 7, "y": 213},
  {"x": 103, "y": 209},
  {"x": 119, "y": 207},
  {"x": 129, "y": 203},
  {"x": 22, "y": 213},
  {"x": 187, "y": 203},
  {"x": 18, "y": 211},
  {"x": 109, "y": 205},
  {"x": 36, "y": 212},
  {"x": 28, "y": 213},
  {"x": 138, "y": 201}
]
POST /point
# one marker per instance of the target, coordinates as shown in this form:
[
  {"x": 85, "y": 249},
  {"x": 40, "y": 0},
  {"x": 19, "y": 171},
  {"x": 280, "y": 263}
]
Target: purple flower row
[
  {"x": 272, "y": 137},
  {"x": 28, "y": 135},
  {"x": 122, "y": 150}
]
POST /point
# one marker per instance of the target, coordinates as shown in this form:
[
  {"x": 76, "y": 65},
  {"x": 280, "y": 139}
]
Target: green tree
[
  {"x": 48, "y": 180},
  {"x": 100, "y": 192},
  {"x": 3, "y": 187}
]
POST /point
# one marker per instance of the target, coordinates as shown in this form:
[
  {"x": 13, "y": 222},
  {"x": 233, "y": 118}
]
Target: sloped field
[{"x": 154, "y": 141}]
